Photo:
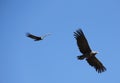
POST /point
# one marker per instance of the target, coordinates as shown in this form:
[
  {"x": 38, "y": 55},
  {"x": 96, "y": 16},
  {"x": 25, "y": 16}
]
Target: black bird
[
  {"x": 36, "y": 38},
  {"x": 88, "y": 54}
]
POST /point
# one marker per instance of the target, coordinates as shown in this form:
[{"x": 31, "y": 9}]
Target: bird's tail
[{"x": 81, "y": 57}]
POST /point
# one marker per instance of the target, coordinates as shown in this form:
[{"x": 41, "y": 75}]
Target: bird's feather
[
  {"x": 33, "y": 36},
  {"x": 94, "y": 62},
  {"x": 82, "y": 42}
]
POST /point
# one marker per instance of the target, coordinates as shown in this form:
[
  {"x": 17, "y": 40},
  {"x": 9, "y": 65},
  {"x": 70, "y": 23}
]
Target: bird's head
[{"x": 95, "y": 52}]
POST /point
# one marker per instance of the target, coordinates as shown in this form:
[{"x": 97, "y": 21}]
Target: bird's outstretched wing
[
  {"x": 82, "y": 41},
  {"x": 33, "y": 36},
  {"x": 94, "y": 62}
]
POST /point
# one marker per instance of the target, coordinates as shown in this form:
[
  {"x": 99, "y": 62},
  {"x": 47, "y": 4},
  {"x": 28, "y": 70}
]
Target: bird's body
[
  {"x": 36, "y": 38},
  {"x": 88, "y": 54}
]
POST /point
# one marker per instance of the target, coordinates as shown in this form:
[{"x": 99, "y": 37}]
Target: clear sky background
[{"x": 53, "y": 60}]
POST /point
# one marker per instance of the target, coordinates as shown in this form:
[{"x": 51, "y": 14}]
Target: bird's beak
[{"x": 97, "y": 52}]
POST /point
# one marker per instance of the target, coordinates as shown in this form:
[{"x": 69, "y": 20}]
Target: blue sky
[{"x": 53, "y": 60}]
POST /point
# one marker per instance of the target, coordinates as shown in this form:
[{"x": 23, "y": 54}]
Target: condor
[{"x": 88, "y": 54}]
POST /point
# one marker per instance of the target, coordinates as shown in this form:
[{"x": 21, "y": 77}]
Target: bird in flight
[
  {"x": 36, "y": 38},
  {"x": 88, "y": 54}
]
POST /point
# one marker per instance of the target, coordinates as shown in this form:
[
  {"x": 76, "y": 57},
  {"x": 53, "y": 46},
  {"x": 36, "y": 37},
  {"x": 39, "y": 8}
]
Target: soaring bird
[
  {"x": 36, "y": 38},
  {"x": 88, "y": 54}
]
